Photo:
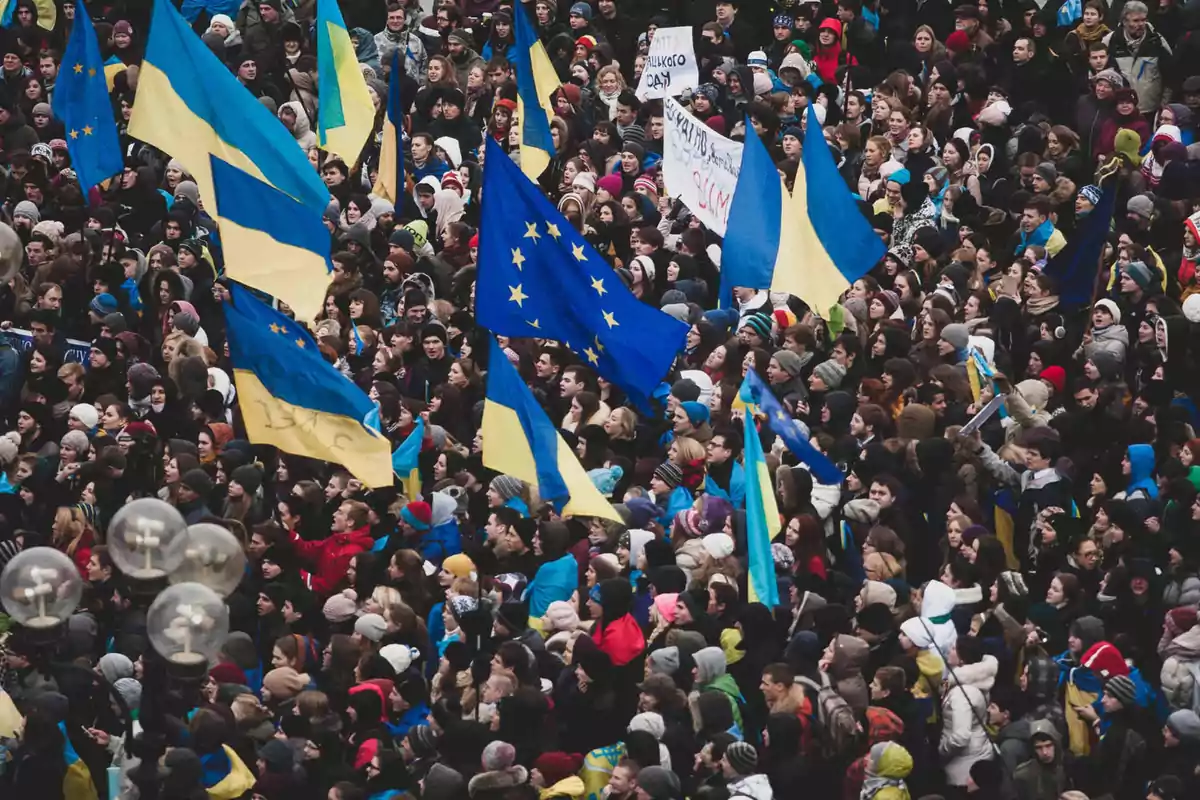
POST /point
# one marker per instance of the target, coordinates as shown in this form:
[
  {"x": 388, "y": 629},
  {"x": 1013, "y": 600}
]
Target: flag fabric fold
[
  {"x": 390, "y": 181},
  {"x": 762, "y": 519},
  {"x": 82, "y": 102},
  {"x": 536, "y": 83},
  {"x": 191, "y": 107},
  {"x": 295, "y": 400},
  {"x": 811, "y": 242},
  {"x": 539, "y": 277},
  {"x": 521, "y": 441},
  {"x": 346, "y": 115},
  {"x": 1076, "y": 265},
  {"x": 405, "y": 461},
  {"x": 756, "y": 393}
]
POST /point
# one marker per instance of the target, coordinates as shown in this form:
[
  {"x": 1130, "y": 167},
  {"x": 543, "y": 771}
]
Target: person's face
[
  {"x": 1135, "y": 24},
  {"x": 1021, "y": 51},
  {"x": 1103, "y": 89},
  {"x": 434, "y": 348},
  {"x": 881, "y": 494},
  {"x": 1031, "y": 219}
]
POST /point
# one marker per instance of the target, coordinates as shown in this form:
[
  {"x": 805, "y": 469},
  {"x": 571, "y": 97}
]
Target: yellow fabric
[
  {"x": 357, "y": 110},
  {"x": 730, "y": 639},
  {"x": 546, "y": 83},
  {"x": 316, "y": 434},
  {"x": 47, "y": 14},
  {"x": 11, "y": 722},
  {"x": 571, "y": 786},
  {"x": 239, "y": 780},
  {"x": 1003, "y": 522},
  {"x": 929, "y": 682},
  {"x": 1079, "y": 731},
  {"x": 77, "y": 783},
  {"x": 803, "y": 266},
  {"x": 506, "y": 450}
]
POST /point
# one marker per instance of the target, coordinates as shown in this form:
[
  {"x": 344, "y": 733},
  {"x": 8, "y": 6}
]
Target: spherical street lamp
[
  {"x": 212, "y": 556},
  {"x": 147, "y": 539},
  {"x": 40, "y": 588}
]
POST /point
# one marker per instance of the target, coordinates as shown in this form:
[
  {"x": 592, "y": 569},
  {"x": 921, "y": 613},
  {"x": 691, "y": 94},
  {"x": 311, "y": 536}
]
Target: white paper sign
[
  {"x": 670, "y": 65},
  {"x": 700, "y": 166}
]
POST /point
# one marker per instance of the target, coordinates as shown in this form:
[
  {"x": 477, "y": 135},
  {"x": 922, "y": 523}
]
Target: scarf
[
  {"x": 1086, "y": 36},
  {"x": 1037, "y": 306},
  {"x": 610, "y": 101},
  {"x": 1038, "y": 236}
]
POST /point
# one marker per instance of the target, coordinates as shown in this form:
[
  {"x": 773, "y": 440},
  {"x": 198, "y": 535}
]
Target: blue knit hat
[
  {"x": 697, "y": 413},
  {"x": 1091, "y": 193},
  {"x": 783, "y": 21},
  {"x": 759, "y": 324},
  {"x": 103, "y": 304}
]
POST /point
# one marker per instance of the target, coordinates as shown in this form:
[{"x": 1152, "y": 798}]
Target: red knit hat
[
  {"x": 418, "y": 514},
  {"x": 474, "y": 241},
  {"x": 958, "y": 42},
  {"x": 226, "y": 672},
  {"x": 558, "y": 766},
  {"x": 504, "y": 102},
  {"x": 1183, "y": 619},
  {"x": 1105, "y": 660},
  {"x": 1056, "y": 376}
]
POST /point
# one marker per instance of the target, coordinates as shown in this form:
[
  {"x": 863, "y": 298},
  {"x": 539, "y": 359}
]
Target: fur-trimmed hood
[{"x": 515, "y": 775}]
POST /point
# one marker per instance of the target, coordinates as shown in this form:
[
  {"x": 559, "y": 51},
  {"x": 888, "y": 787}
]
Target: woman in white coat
[{"x": 964, "y": 710}]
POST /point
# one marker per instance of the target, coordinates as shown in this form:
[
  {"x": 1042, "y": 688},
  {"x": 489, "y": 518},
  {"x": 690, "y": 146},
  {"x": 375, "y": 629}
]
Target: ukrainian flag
[
  {"x": 191, "y": 106},
  {"x": 520, "y": 440},
  {"x": 77, "y": 781},
  {"x": 811, "y": 242},
  {"x": 536, "y": 83},
  {"x": 405, "y": 461},
  {"x": 346, "y": 115},
  {"x": 389, "y": 184},
  {"x": 293, "y": 399},
  {"x": 762, "y": 515},
  {"x": 225, "y": 775},
  {"x": 783, "y": 425},
  {"x": 81, "y": 101}
]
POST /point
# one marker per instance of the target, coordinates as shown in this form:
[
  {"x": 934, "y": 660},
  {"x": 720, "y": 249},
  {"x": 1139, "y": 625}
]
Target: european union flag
[
  {"x": 292, "y": 398},
  {"x": 539, "y": 278},
  {"x": 81, "y": 101},
  {"x": 754, "y": 391}
]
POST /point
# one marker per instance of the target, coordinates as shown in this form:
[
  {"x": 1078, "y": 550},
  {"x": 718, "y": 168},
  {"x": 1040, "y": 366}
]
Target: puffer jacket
[
  {"x": 753, "y": 787},
  {"x": 1113, "y": 338},
  {"x": 1142, "y": 65},
  {"x": 964, "y": 703},
  {"x": 1182, "y": 590},
  {"x": 1181, "y": 670}
]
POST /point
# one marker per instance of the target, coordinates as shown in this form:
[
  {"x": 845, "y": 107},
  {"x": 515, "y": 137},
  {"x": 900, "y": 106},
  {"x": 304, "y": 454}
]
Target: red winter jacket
[
  {"x": 330, "y": 557},
  {"x": 622, "y": 640}
]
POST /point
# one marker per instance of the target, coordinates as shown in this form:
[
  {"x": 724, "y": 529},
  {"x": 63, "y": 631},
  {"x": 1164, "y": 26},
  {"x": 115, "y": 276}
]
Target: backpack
[{"x": 833, "y": 723}]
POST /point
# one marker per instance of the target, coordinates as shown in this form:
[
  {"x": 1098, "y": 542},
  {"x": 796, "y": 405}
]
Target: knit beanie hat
[
  {"x": 561, "y": 616},
  {"x": 86, "y": 413},
  {"x": 1142, "y": 205},
  {"x": 506, "y": 486},
  {"x": 831, "y": 373},
  {"x": 279, "y": 756},
  {"x": 1091, "y": 193},
  {"x": 957, "y": 335},
  {"x": 459, "y": 565},
  {"x": 1113, "y": 310},
  {"x": 400, "y": 656},
  {"x": 28, "y": 210},
  {"x": 649, "y": 721},
  {"x": 339, "y": 608},
  {"x": 742, "y": 757},
  {"x": 284, "y": 683},
  {"x": 664, "y": 661},
  {"x": 789, "y": 362},
  {"x": 1139, "y": 272},
  {"x": 718, "y": 545},
  {"x": 759, "y": 324},
  {"x": 1123, "y": 689},
  {"x": 130, "y": 691},
  {"x": 558, "y": 766},
  {"x": 248, "y": 476},
  {"x": 662, "y": 784},
  {"x": 697, "y": 413},
  {"x": 610, "y": 184},
  {"x": 418, "y": 515},
  {"x": 371, "y": 626},
  {"x": 1185, "y": 724},
  {"x": 77, "y": 441},
  {"x": 198, "y": 481},
  {"x": 669, "y": 473},
  {"x": 423, "y": 740}
]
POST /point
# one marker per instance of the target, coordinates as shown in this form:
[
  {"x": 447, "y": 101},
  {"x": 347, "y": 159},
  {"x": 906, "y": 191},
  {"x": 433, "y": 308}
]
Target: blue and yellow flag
[
  {"x": 538, "y": 277},
  {"x": 81, "y": 101},
  {"x": 346, "y": 115},
  {"x": 536, "y": 84},
  {"x": 762, "y": 518},
  {"x": 389, "y": 183},
  {"x": 811, "y": 242},
  {"x": 1076, "y": 264},
  {"x": 405, "y": 461},
  {"x": 190, "y": 106},
  {"x": 295, "y": 400},
  {"x": 756, "y": 393},
  {"x": 520, "y": 440}
]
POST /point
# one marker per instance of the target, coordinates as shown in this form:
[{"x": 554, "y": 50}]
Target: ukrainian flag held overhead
[
  {"x": 390, "y": 182},
  {"x": 295, "y": 400},
  {"x": 539, "y": 277},
  {"x": 405, "y": 461},
  {"x": 190, "y": 106},
  {"x": 82, "y": 102},
  {"x": 536, "y": 83},
  {"x": 811, "y": 242},
  {"x": 756, "y": 393},
  {"x": 520, "y": 440},
  {"x": 762, "y": 515},
  {"x": 346, "y": 115}
]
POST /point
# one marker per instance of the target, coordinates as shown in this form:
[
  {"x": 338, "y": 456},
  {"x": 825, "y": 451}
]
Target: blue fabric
[
  {"x": 414, "y": 716},
  {"x": 737, "y": 487},
  {"x": 555, "y": 580},
  {"x": 191, "y": 8},
  {"x": 1075, "y": 265},
  {"x": 1038, "y": 236},
  {"x": 441, "y": 542},
  {"x": 1141, "y": 470},
  {"x": 680, "y": 499},
  {"x": 216, "y": 767}
]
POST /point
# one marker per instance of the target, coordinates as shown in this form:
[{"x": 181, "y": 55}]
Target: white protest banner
[
  {"x": 700, "y": 166},
  {"x": 670, "y": 65}
]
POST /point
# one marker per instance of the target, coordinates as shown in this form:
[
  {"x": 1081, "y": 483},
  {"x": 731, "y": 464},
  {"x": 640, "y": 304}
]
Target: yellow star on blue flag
[
  {"x": 81, "y": 101},
  {"x": 536, "y": 272}
]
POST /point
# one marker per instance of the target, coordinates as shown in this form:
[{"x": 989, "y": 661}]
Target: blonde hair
[
  {"x": 387, "y": 597},
  {"x": 611, "y": 69},
  {"x": 687, "y": 450},
  {"x": 626, "y": 422},
  {"x": 69, "y": 528}
]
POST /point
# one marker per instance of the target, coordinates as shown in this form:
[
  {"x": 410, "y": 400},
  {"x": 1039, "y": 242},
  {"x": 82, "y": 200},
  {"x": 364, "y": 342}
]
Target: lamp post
[{"x": 181, "y": 574}]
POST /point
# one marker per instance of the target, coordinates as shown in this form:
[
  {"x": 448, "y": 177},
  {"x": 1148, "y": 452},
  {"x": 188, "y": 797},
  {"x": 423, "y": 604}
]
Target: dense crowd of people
[{"x": 1009, "y": 614}]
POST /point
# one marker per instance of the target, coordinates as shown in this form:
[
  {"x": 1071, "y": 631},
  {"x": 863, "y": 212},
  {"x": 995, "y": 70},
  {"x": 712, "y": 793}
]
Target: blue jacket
[
  {"x": 555, "y": 580},
  {"x": 440, "y": 542},
  {"x": 737, "y": 487}
]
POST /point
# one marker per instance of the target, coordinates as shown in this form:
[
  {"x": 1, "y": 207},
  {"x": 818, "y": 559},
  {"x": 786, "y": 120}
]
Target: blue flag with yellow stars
[
  {"x": 294, "y": 399},
  {"x": 755, "y": 392},
  {"x": 81, "y": 101},
  {"x": 538, "y": 278}
]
